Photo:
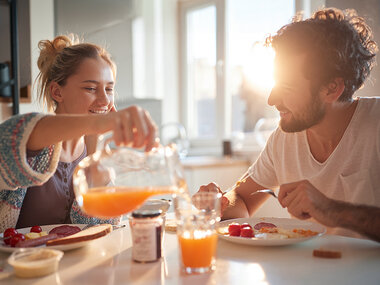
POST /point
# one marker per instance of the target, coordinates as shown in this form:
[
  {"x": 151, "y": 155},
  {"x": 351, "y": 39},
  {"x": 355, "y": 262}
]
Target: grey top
[{"x": 51, "y": 202}]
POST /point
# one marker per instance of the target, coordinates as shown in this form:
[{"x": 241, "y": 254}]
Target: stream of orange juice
[
  {"x": 198, "y": 252},
  {"x": 108, "y": 202}
]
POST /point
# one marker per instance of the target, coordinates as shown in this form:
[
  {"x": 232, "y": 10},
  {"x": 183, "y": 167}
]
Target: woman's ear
[
  {"x": 55, "y": 91},
  {"x": 333, "y": 90}
]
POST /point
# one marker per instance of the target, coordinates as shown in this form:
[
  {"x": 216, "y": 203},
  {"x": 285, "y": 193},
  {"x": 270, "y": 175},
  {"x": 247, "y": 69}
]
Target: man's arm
[
  {"x": 242, "y": 203},
  {"x": 239, "y": 203},
  {"x": 303, "y": 201},
  {"x": 360, "y": 218}
]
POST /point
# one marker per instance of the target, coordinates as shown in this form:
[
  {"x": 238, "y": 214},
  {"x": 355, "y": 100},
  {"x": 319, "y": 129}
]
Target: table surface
[{"x": 108, "y": 261}]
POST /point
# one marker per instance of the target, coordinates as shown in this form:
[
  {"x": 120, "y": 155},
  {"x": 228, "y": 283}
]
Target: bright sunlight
[{"x": 258, "y": 69}]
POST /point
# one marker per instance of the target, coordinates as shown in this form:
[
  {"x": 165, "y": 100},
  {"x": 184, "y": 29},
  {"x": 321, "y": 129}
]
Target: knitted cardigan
[{"x": 17, "y": 173}]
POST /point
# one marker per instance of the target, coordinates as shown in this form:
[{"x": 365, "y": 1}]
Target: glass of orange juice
[
  {"x": 197, "y": 222},
  {"x": 117, "y": 180}
]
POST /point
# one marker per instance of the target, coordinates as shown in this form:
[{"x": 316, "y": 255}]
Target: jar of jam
[{"x": 147, "y": 235}]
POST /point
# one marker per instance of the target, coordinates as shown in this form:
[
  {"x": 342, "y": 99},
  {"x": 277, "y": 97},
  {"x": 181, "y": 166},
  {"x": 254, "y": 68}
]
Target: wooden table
[{"x": 108, "y": 261}]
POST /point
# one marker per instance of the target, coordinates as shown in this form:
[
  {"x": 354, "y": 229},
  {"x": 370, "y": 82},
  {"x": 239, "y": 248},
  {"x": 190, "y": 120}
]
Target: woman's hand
[{"x": 133, "y": 127}]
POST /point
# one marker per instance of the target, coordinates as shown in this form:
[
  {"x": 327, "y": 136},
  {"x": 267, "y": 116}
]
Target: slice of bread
[{"x": 87, "y": 234}]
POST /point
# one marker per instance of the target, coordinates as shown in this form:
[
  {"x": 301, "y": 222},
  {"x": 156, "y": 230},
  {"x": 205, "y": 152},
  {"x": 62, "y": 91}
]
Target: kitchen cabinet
[
  {"x": 225, "y": 172},
  {"x": 203, "y": 170}
]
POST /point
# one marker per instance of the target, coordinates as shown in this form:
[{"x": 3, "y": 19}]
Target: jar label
[{"x": 144, "y": 242}]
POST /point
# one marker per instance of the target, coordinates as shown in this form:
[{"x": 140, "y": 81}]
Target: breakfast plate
[
  {"x": 268, "y": 240},
  {"x": 47, "y": 228}
]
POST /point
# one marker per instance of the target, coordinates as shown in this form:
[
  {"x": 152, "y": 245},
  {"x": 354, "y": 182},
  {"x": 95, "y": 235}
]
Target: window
[
  {"x": 226, "y": 72},
  {"x": 200, "y": 71}
]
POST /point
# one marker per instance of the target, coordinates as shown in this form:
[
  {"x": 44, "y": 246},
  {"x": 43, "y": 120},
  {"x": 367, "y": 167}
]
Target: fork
[{"x": 268, "y": 191}]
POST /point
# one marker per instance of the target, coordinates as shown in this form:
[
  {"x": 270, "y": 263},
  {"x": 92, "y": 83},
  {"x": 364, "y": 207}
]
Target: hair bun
[{"x": 50, "y": 49}]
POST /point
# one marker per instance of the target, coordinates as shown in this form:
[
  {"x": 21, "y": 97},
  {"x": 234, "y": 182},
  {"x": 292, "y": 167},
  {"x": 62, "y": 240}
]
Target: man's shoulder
[
  {"x": 369, "y": 103},
  {"x": 369, "y": 107}
]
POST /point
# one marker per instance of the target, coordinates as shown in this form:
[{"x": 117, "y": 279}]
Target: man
[{"x": 325, "y": 155}]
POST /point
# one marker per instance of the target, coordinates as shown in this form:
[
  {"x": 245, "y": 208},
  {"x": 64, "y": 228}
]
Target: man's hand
[
  {"x": 212, "y": 187},
  {"x": 303, "y": 201}
]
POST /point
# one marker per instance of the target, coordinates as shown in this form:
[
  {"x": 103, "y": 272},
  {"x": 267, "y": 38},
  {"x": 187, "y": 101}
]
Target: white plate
[
  {"x": 279, "y": 222},
  {"x": 47, "y": 228}
]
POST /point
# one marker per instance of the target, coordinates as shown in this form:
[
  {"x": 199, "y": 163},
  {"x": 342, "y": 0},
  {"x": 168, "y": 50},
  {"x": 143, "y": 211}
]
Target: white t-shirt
[{"x": 351, "y": 173}]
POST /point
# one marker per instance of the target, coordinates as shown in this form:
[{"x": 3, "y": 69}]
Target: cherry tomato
[
  {"x": 10, "y": 232},
  {"x": 234, "y": 229},
  {"x": 247, "y": 232},
  {"x": 36, "y": 229},
  {"x": 244, "y": 225},
  {"x": 16, "y": 238}
]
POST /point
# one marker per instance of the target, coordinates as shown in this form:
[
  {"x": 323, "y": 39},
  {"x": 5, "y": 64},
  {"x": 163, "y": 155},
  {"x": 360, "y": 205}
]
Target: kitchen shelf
[{"x": 15, "y": 76}]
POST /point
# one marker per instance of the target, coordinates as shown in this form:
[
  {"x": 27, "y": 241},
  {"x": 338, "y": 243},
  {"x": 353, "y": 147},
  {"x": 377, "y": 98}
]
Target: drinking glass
[
  {"x": 197, "y": 221},
  {"x": 117, "y": 180}
]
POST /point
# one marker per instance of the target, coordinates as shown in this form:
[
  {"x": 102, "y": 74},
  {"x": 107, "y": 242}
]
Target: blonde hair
[{"x": 59, "y": 59}]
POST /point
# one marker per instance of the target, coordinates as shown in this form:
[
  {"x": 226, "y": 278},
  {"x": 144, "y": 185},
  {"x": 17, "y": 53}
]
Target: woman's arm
[
  {"x": 15, "y": 170},
  {"x": 131, "y": 126}
]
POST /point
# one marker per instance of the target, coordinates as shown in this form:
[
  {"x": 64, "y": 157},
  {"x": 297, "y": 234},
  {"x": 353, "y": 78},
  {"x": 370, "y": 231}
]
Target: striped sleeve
[{"x": 15, "y": 170}]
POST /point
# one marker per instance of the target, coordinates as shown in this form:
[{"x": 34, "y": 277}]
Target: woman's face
[{"x": 89, "y": 90}]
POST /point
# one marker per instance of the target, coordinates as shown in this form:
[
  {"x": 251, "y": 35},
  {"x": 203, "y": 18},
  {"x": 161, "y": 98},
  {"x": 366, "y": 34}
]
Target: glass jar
[{"x": 147, "y": 235}]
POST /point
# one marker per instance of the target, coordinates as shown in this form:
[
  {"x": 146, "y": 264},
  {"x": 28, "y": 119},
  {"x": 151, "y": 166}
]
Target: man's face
[{"x": 299, "y": 107}]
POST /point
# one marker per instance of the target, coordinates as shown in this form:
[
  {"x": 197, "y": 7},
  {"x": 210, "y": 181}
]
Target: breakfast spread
[
  {"x": 264, "y": 230},
  {"x": 64, "y": 234},
  {"x": 87, "y": 234}
]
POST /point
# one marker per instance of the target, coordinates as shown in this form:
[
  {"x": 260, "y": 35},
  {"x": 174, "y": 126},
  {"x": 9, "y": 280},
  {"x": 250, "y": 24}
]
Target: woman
[{"x": 39, "y": 152}]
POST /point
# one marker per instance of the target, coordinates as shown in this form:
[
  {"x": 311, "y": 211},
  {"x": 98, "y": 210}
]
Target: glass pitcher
[{"x": 117, "y": 180}]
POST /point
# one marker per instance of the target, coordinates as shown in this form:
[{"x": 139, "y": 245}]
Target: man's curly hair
[{"x": 337, "y": 44}]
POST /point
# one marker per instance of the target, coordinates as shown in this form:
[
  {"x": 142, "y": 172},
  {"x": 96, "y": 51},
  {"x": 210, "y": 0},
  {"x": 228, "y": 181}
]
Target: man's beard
[{"x": 312, "y": 114}]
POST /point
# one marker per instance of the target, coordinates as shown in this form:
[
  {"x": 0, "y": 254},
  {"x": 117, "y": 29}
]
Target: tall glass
[
  {"x": 197, "y": 222},
  {"x": 117, "y": 180}
]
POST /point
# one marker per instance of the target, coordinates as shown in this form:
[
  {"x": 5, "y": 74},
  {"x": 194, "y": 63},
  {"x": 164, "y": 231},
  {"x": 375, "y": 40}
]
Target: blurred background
[{"x": 198, "y": 64}]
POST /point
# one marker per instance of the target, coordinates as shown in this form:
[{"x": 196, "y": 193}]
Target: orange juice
[
  {"x": 108, "y": 202},
  {"x": 198, "y": 252}
]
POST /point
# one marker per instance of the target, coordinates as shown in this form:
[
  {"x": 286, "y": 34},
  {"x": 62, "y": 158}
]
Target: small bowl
[
  {"x": 35, "y": 262},
  {"x": 155, "y": 205}
]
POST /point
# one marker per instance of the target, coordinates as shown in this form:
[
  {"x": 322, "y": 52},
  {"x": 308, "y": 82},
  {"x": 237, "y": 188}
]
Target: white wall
[
  {"x": 370, "y": 10},
  {"x": 107, "y": 23},
  {"x": 110, "y": 23}
]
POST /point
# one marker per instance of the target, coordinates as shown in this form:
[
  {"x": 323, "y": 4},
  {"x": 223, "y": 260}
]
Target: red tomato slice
[
  {"x": 8, "y": 234},
  {"x": 234, "y": 229},
  {"x": 15, "y": 239},
  {"x": 244, "y": 225},
  {"x": 36, "y": 229},
  {"x": 247, "y": 232}
]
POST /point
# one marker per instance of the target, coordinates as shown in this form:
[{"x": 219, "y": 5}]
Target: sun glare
[{"x": 258, "y": 69}]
